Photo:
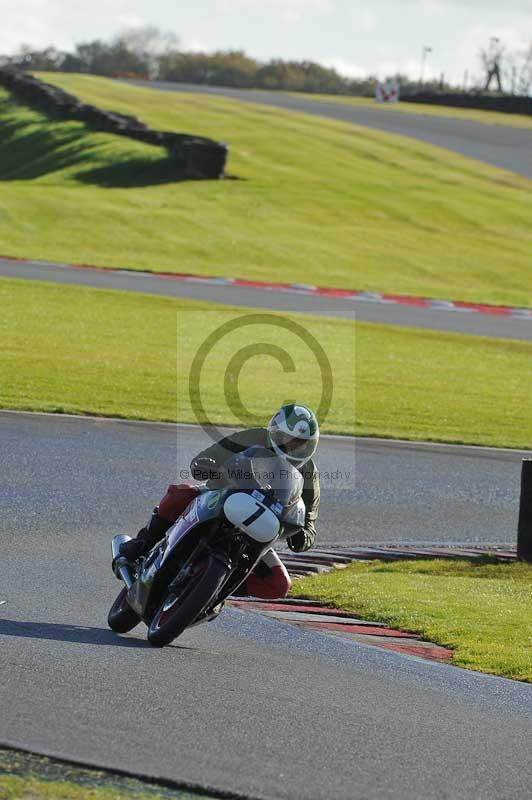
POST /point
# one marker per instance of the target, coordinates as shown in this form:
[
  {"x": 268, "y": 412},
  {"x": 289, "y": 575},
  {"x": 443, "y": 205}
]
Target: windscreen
[{"x": 259, "y": 468}]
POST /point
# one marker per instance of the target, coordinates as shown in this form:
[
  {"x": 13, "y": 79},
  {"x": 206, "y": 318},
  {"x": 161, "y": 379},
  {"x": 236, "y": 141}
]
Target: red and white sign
[{"x": 387, "y": 92}]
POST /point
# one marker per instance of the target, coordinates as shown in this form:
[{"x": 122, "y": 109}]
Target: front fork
[{"x": 121, "y": 566}]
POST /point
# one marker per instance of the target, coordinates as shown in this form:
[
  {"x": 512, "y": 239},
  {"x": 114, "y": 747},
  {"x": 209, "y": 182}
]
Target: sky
[{"x": 358, "y": 38}]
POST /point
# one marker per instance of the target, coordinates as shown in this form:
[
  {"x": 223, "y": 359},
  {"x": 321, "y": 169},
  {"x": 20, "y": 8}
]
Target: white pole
[{"x": 425, "y": 51}]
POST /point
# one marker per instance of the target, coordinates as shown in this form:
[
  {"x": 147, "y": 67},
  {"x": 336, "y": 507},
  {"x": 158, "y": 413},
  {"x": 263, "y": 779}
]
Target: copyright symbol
[
  {"x": 241, "y": 357},
  {"x": 184, "y": 474}
]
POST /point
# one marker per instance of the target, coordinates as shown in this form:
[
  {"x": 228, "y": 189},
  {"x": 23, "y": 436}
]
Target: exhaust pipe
[{"x": 121, "y": 567}]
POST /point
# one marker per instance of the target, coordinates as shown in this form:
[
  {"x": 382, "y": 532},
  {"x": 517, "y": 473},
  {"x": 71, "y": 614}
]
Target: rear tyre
[
  {"x": 177, "y": 612},
  {"x": 122, "y": 618}
]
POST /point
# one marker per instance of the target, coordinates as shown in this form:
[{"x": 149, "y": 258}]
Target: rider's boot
[{"x": 146, "y": 538}]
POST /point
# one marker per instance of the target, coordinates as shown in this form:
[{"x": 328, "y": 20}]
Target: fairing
[
  {"x": 257, "y": 468},
  {"x": 257, "y": 480},
  {"x": 207, "y": 506}
]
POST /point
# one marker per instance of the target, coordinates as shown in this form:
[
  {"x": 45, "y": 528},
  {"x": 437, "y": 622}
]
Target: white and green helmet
[{"x": 294, "y": 433}]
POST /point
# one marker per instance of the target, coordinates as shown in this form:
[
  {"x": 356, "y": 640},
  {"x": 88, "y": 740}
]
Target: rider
[{"x": 293, "y": 433}]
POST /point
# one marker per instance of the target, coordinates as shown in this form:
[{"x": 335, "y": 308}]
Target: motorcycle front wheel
[
  {"x": 122, "y": 618},
  {"x": 178, "y": 611}
]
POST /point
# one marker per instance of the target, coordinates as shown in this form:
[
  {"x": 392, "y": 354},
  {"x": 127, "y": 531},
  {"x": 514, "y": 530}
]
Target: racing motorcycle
[{"x": 212, "y": 547}]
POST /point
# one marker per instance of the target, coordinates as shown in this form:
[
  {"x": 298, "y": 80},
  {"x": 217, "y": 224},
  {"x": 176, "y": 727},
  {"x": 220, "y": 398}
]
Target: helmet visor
[{"x": 295, "y": 449}]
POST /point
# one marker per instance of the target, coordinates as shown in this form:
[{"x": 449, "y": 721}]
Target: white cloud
[
  {"x": 131, "y": 21},
  {"x": 196, "y": 46},
  {"x": 405, "y": 66},
  {"x": 484, "y": 6},
  {"x": 357, "y": 37},
  {"x": 368, "y": 21},
  {"x": 345, "y": 67},
  {"x": 295, "y": 11},
  {"x": 40, "y": 23},
  {"x": 478, "y": 36},
  {"x": 24, "y": 22},
  {"x": 287, "y": 10}
]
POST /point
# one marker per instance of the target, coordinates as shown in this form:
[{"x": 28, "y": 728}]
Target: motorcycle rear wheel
[
  {"x": 122, "y": 618},
  {"x": 177, "y": 612}
]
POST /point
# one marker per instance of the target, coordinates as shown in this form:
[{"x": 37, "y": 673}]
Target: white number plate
[{"x": 252, "y": 517}]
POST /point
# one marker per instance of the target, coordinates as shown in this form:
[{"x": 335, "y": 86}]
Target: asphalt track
[
  {"x": 387, "y": 313},
  {"x": 502, "y": 146},
  {"x": 246, "y": 704},
  {"x": 111, "y": 473}
]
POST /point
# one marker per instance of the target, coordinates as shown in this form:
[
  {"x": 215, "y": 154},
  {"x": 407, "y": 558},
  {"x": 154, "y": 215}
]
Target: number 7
[{"x": 255, "y": 515}]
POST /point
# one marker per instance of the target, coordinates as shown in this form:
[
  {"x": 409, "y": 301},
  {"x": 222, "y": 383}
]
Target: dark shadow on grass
[
  {"x": 33, "y": 146},
  {"x": 134, "y": 172},
  {"x": 27, "y": 153}
]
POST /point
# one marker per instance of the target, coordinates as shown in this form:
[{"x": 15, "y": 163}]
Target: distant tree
[
  {"x": 148, "y": 52},
  {"x": 46, "y": 60},
  {"x": 229, "y": 68},
  {"x": 521, "y": 70},
  {"x": 277, "y": 74},
  {"x": 113, "y": 58},
  {"x": 510, "y": 69},
  {"x": 323, "y": 79},
  {"x": 305, "y": 76},
  {"x": 492, "y": 58},
  {"x": 134, "y": 51},
  {"x": 72, "y": 63},
  {"x": 525, "y": 73},
  {"x": 148, "y": 45}
]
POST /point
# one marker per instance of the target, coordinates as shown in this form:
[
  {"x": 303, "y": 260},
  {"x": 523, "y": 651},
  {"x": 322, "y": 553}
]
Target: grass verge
[
  {"x": 481, "y": 610},
  {"x": 90, "y": 351},
  {"x": 26, "y": 776},
  {"x": 319, "y": 201},
  {"x": 20, "y": 788},
  {"x": 425, "y": 109}
]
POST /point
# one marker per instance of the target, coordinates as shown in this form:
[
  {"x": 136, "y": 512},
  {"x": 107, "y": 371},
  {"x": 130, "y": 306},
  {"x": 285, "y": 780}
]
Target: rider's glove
[{"x": 303, "y": 539}]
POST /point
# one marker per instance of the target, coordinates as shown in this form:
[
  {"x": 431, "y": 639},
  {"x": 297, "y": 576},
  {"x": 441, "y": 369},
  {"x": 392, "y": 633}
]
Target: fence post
[{"x": 524, "y": 528}]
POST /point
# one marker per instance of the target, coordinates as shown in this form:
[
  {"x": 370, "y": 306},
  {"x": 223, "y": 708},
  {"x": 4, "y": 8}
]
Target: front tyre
[
  {"x": 122, "y": 618},
  {"x": 179, "y": 611}
]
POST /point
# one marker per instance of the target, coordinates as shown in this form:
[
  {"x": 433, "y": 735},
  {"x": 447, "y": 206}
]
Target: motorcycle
[{"x": 211, "y": 548}]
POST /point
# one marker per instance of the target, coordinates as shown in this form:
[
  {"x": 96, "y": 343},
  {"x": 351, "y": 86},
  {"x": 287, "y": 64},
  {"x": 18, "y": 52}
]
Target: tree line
[
  {"x": 151, "y": 54},
  {"x": 146, "y": 52}
]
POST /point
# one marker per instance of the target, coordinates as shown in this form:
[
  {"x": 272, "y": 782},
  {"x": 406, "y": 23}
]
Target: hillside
[{"x": 315, "y": 201}]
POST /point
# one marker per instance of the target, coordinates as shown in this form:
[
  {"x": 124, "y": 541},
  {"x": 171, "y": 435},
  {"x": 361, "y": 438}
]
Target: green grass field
[
  {"x": 89, "y": 351},
  {"x": 26, "y": 776},
  {"x": 317, "y": 201},
  {"x": 427, "y": 110},
  {"x": 14, "y": 787},
  {"x": 36, "y": 150},
  {"x": 481, "y": 610}
]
